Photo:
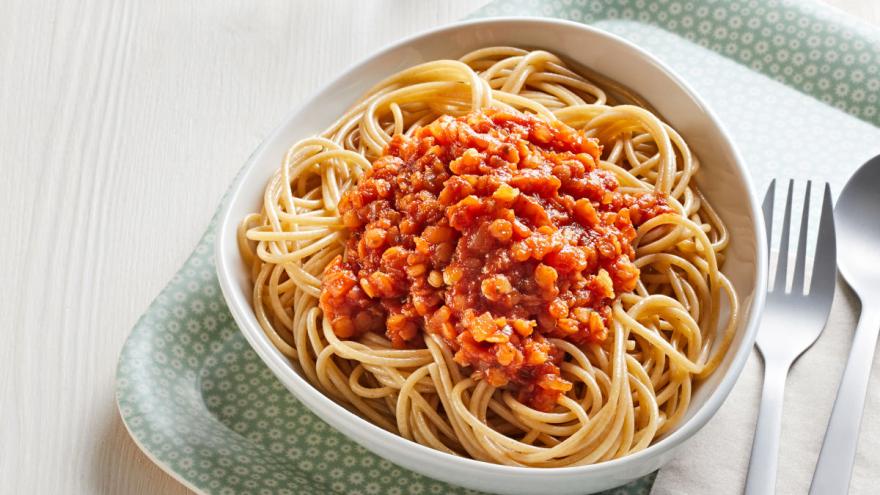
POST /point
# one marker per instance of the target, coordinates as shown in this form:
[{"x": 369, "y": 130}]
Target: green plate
[{"x": 796, "y": 84}]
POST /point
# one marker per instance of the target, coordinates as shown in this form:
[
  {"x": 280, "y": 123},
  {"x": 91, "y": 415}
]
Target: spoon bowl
[{"x": 857, "y": 219}]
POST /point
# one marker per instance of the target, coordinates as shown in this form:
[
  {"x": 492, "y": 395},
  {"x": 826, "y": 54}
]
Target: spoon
[{"x": 857, "y": 219}]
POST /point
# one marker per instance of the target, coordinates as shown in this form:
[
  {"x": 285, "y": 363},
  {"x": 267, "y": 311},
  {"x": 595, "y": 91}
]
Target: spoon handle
[
  {"x": 761, "y": 479},
  {"x": 834, "y": 468}
]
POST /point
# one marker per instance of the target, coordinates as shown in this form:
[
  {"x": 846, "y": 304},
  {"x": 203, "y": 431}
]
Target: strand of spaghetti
[
  {"x": 403, "y": 400},
  {"x": 729, "y": 331},
  {"x": 363, "y": 391},
  {"x": 299, "y": 254},
  {"x": 444, "y": 387},
  {"x": 262, "y": 317},
  {"x": 349, "y": 350},
  {"x": 372, "y": 134},
  {"x": 656, "y": 340}
]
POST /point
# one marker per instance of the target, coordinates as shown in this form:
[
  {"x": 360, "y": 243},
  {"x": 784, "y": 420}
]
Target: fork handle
[
  {"x": 834, "y": 468},
  {"x": 761, "y": 479}
]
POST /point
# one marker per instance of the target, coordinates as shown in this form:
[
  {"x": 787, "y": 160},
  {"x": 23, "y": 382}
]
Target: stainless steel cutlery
[
  {"x": 793, "y": 319},
  {"x": 858, "y": 233}
]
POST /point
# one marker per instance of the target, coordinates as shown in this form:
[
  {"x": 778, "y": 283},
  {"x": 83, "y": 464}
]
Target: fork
[{"x": 791, "y": 323}]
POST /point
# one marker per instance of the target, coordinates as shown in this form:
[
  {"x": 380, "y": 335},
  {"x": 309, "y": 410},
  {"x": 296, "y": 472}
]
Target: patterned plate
[{"x": 198, "y": 400}]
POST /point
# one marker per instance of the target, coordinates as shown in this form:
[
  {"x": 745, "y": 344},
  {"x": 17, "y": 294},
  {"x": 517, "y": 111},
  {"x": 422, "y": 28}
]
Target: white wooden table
[{"x": 121, "y": 125}]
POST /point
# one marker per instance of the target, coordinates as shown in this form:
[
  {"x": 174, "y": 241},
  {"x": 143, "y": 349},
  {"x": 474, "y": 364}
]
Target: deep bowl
[{"x": 723, "y": 179}]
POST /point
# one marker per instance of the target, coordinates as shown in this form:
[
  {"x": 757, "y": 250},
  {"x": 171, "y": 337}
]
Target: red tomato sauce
[{"x": 495, "y": 231}]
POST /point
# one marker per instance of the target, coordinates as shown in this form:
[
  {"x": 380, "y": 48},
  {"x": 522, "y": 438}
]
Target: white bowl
[{"x": 723, "y": 179}]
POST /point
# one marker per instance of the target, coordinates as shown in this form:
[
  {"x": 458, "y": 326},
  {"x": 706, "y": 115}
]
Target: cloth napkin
[{"x": 715, "y": 461}]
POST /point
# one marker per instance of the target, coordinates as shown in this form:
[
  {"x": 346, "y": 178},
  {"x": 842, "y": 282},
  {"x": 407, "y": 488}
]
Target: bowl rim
[{"x": 362, "y": 431}]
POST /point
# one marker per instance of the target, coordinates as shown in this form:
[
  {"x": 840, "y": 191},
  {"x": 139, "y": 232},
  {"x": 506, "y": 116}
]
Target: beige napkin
[{"x": 716, "y": 459}]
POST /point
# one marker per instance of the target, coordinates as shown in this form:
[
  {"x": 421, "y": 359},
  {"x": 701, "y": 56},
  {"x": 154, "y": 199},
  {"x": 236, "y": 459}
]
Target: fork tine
[
  {"x": 782, "y": 262},
  {"x": 825, "y": 262},
  {"x": 797, "y": 283},
  {"x": 767, "y": 208}
]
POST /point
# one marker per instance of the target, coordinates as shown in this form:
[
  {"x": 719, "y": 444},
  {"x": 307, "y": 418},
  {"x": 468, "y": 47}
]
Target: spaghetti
[{"x": 499, "y": 259}]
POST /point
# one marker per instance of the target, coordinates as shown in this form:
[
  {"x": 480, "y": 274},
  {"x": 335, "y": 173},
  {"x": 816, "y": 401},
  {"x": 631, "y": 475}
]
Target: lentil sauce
[{"x": 496, "y": 231}]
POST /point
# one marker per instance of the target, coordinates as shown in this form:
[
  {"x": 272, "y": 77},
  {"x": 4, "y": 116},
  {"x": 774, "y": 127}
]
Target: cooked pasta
[{"x": 499, "y": 258}]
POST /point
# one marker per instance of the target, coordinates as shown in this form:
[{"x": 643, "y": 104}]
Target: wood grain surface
[{"x": 121, "y": 125}]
